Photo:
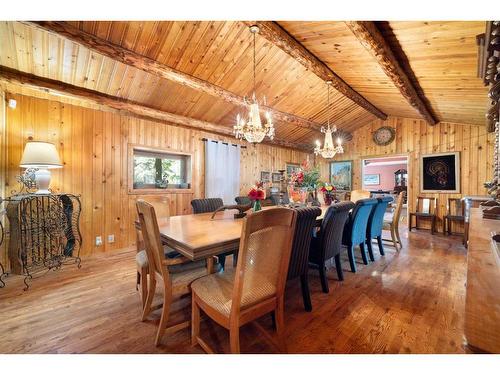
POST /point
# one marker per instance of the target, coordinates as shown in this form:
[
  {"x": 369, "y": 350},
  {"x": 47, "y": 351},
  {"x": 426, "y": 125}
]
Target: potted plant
[{"x": 303, "y": 182}]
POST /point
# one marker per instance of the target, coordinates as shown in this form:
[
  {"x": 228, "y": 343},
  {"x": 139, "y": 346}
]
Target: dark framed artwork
[
  {"x": 276, "y": 177},
  {"x": 341, "y": 174},
  {"x": 440, "y": 173},
  {"x": 291, "y": 167},
  {"x": 265, "y": 176}
]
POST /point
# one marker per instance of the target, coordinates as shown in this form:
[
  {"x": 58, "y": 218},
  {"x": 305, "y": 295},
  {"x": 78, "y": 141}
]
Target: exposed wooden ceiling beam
[
  {"x": 278, "y": 36},
  {"x": 373, "y": 40},
  {"x": 153, "y": 67},
  {"x": 122, "y": 105}
]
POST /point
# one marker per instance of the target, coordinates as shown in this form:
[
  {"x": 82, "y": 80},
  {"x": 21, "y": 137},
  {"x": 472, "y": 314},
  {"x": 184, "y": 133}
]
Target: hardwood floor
[{"x": 407, "y": 302}]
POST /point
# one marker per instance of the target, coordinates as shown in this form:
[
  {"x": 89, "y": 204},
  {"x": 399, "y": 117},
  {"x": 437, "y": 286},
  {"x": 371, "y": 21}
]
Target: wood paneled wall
[
  {"x": 93, "y": 147},
  {"x": 415, "y": 137}
]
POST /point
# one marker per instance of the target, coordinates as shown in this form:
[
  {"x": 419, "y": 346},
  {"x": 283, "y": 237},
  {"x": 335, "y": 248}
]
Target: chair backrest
[
  {"x": 356, "y": 195},
  {"x": 355, "y": 230},
  {"x": 455, "y": 207},
  {"x": 332, "y": 227},
  {"x": 263, "y": 258},
  {"x": 161, "y": 205},
  {"x": 376, "y": 219},
  {"x": 399, "y": 207},
  {"x": 152, "y": 241},
  {"x": 426, "y": 205},
  {"x": 306, "y": 220},
  {"x": 201, "y": 206},
  {"x": 242, "y": 200}
]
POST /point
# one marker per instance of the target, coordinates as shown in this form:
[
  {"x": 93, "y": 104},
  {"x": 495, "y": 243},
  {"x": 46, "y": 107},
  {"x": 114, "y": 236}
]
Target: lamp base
[{"x": 42, "y": 178}]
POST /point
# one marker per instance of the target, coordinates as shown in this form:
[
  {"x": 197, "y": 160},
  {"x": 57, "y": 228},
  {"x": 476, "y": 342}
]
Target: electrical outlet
[
  {"x": 111, "y": 238},
  {"x": 98, "y": 241}
]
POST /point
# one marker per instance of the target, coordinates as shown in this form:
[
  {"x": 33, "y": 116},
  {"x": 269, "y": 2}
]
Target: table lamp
[{"x": 41, "y": 156}]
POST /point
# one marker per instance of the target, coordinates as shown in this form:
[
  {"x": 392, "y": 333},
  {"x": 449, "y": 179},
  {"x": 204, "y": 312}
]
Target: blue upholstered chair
[
  {"x": 375, "y": 224},
  {"x": 355, "y": 229},
  {"x": 327, "y": 243}
]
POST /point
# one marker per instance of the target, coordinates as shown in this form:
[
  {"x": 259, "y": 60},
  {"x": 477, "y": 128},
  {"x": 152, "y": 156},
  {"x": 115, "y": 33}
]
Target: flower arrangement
[
  {"x": 256, "y": 194},
  {"x": 328, "y": 191},
  {"x": 306, "y": 176}
]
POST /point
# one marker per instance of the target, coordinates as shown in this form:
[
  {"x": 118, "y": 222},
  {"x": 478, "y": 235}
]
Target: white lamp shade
[{"x": 40, "y": 155}]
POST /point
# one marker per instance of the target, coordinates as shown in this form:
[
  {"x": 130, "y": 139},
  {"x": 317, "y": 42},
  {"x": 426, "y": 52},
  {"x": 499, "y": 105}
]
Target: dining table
[{"x": 199, "y": 236}]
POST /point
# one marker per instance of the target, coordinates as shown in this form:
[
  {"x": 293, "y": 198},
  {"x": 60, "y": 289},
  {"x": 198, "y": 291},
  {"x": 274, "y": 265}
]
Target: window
[{"x": 157, "y": 170}]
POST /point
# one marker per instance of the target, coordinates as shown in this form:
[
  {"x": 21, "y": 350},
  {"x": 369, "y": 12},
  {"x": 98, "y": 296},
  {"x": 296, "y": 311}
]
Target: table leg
[{"x": 210, "y": 265}]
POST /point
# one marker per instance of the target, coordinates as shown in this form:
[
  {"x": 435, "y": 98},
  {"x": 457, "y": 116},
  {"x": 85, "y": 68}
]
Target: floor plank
[{"x": 407, "y": 302}]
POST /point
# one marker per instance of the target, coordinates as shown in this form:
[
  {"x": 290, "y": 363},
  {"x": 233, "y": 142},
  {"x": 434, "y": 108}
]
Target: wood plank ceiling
[{"x": 442, "y": 55}]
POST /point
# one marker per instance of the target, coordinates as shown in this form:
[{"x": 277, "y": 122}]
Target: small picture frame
[
  {"x": 265, "y": 176},
  {"x": 276, "y": 177},
  {"x": 371, "y": 179},
  {"x": 291, "y": 167}
]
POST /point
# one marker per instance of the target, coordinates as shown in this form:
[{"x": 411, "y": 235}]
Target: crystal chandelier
[
  {"x": 252, "y": 128},
  {"x": 329, "y": 150}
]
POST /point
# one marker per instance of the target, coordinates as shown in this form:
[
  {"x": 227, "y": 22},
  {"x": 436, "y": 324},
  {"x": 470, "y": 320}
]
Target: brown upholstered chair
[
  {"x": 176, "y": 274},
  {"x": 327, "y": 243},
  {"x": 391, "y": 222},
  {"x": 455, "y": 212},
  {"x": 256, "y": 288},
  {"x": 426, "y": 209},
  {"x": 358, "y": 194},
  {"x": 299, "y": 264}
]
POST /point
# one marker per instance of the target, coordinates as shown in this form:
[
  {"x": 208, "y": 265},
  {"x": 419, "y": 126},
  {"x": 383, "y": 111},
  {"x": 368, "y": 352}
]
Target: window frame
[{"x": 130, "y": 161}]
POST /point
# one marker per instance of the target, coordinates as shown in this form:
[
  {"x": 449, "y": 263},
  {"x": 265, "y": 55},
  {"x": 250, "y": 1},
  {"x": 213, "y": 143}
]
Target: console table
[
  {"x": 44, "y": 233},
  {"x": 482, "y": 301}
]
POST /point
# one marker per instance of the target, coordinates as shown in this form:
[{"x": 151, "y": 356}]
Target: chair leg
[
  {"x": 280, "y": 325},
  {"x": 350, "y": 253},
  {"x": 433, "y": 224},
  {"x": 149, "y": 300},
  {"x": 306, "y": 296},
  {"x": 449, "y": 227},
  {"x": 393, "y": 237},
  {"x": 165, "y": 313},
  {"x": 138, "y": 281},
  {"x": 323, "y": 278},
  {"x": 195, "y": 322},
  {"x": 370, "y": 249},
  {"x": 234, "y": 339},
  {"x": 396, "y": 231},
  {"x": 144, "y": 285},
  {"x": 444, "y": 226},
  {"x": 410, "y": 219},
  {"x": 380, "y": 245},
  {"x": 363, "y": 253},
  {"x": 338, "y": 267},
  {"x": 222, "y": 261}
]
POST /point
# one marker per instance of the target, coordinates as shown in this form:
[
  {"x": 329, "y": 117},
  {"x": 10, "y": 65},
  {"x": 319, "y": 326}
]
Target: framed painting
[
  {"x": 371, "y": 179},
  {"x": 291, "y": 167},
  {"x": 275, "y": 177},
  {"x": 265, "y": 176},
  {"x": 440, "y": 173},
  {"x": 341, "y": 174}
]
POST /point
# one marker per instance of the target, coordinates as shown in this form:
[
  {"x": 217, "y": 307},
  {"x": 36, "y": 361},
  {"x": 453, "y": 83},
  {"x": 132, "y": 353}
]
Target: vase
[
  {"x": 328, "y": 199},
  {"x": 297, "y": 195},
  {"x": 257, "y": 206}
]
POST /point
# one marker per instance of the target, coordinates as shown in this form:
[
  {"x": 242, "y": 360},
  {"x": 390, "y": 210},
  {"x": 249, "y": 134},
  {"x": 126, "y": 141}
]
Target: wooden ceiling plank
[
  {"x": 153, "y": 67},
  {"x": 280, "y": 38},
  {"x": 59, "y": 88},
  {"x": 373, "y": 40}
]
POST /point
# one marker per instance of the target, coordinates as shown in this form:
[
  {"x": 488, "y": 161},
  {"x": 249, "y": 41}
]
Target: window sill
[{"x": 159, "y": 191}]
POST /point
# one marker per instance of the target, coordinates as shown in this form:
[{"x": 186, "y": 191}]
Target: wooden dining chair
[
  {"x": 256, "y": 288},
  {"x": 175, "y": 274},
  {"x": 356, "y": 195},
  {"x": 391, "y": 223},
  {"x": 162, "y": 208},
  {"x": 425, "y": 209},
  {"x": 455, "y": 213}
]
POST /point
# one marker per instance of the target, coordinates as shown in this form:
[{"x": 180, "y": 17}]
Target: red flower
[{"x": 256, "y": 193}]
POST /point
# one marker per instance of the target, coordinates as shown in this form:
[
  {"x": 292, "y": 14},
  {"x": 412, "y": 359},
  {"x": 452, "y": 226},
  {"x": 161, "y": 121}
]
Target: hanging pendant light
[
  {"x": 252, "y": 128},
  {"x": 329, "y": 150}
]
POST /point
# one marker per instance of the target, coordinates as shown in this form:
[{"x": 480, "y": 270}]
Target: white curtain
[{"x": 222, "y": 171}]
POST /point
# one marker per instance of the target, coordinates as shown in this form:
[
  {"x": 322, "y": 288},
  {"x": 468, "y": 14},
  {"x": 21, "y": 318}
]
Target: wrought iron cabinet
[{"x": 44, "y": 233}]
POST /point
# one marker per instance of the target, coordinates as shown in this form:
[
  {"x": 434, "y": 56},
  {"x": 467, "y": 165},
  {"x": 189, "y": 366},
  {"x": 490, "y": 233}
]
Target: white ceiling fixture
[
  {"x": 252, "y": 128},
  {"x": 329, "y": 150}
]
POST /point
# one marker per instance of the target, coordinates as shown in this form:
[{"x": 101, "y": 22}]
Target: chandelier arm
[{"x": 254, "y": 65}]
